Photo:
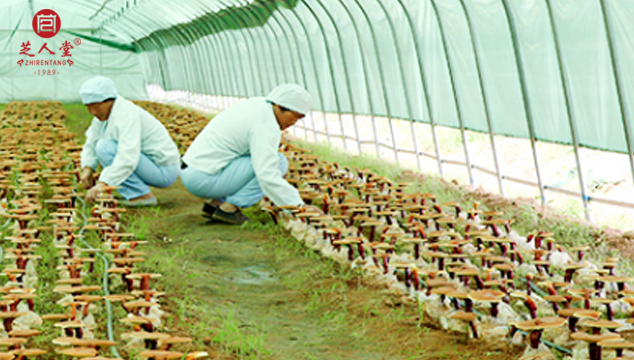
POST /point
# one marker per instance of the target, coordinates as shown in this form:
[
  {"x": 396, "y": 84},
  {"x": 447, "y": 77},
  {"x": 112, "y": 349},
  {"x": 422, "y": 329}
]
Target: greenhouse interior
[{"x": 378, "y": 179}]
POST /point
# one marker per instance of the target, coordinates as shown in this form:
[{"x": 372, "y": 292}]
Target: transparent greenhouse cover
[{"x": 546, "y": 68}]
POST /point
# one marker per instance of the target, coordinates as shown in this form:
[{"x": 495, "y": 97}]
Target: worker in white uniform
[
  {"x": 133, "y": 147},
  {"x": 235, "y": 160}
]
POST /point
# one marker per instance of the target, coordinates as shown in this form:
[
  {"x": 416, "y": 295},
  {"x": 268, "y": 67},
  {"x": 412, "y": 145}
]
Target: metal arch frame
[
  {"x": 571, "y": 118},
  {"x": 382, "y": 75},
  {"x": 332, "y": 73},
  {"x": 486, "y": 105},
  {"x": 267, "y": 39},
  {"x": 282, "y": 59},
  {"x": 292, "y": 63},
  {"x": 618, "y": 81},
  {"x": 408, "y": 102},
  {"x": 457, "y": 105},
  {"x": 366, "y": 83},
  {"x": 303, "y": 72},
  {"x": 219, "y": 32},
  {"x": 273, "y": 35},
  {"x": 312, "y": 57},
  {"x": 525, "y": 99},
  {"x": 249, "y": 55},
  {"x": 251, "y": 58}
]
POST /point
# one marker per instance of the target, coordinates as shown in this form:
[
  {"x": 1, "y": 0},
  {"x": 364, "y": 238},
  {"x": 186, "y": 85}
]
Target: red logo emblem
[{"x": 46, "y": 23}]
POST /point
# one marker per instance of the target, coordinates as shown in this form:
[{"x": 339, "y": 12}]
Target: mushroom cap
[
  {"x": 160, "y": 354},
  {"x": 70, "y": 324},
  {"x": 177, "y": 340},
  {"x": 79, "y": 352},
  {"x": 136, "y": 320},
  {"x": 55, "y": 316},
  {"x": 13, "y": 341},
  {"x": 11, "y": 314},
  {"x": 616, "y": 279},
  {"x": 493, "y": 296},
  {"x": 29, "y": 352},
  {"x": 148, "y": 335},
  {"x": 587, "y": 314},
  {"x": 23, "y": 333},
  {"x": 6, "y": 356},
  {"x": 590, "y": 338},
  {"x": 555, "y": 298},
  {"x": 574, "y": 266},
  {"x": 607, "y": 324},
  {"x": 569, "y": 312},
  {"x": 458, "y": 294},
  {"x": 616, "y": 344},
  {"x": 443, "y": 290},
  {"x": 463, "y": 315},
  {"x": 541, "y": 323},
  {"x": 139, "y": 303},
  {"x": 602, "y": 301},
  {"x": 437, "y": 282}
]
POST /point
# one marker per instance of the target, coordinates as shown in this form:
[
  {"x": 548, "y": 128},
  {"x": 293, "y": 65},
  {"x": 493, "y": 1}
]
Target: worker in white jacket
[
  {"x": 235, "y": 160},
  {"x": 134, "y": 148}
]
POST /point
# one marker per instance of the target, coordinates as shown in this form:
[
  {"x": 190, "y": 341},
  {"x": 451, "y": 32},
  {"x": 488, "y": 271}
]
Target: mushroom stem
[
  {"x": 474, "y": 331},
  {"x": 572, "y": 323},
  {"x": 468, "y": 305},
  {"x": 609, "y": 312},
  {"x": 594, "y": 350},
  {"x": 494, "y": 310},
  {"x": 534, "y": 337}
]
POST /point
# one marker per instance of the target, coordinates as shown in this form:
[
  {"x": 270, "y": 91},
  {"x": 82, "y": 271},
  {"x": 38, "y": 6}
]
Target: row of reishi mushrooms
[
  {"x": 472, "y": 270},
  {"x": 38, "y": 182}
]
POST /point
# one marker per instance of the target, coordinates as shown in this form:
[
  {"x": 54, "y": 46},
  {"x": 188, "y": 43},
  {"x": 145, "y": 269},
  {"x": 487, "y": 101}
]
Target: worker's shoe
[
  {"x": 209, "y": 210},
  {"x": 150, "y": 201},
  {"x": 235, "y": 218}
]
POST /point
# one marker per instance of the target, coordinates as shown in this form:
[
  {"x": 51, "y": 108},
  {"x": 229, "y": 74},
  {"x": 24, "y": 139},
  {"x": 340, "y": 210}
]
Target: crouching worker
[
  {"x": 235, "y": 160},
  {"x": 134, "y": 148}
]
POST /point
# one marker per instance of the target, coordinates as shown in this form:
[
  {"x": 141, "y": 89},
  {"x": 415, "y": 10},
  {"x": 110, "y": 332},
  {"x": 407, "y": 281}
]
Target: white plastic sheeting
[{"x": 89, "y": 58}]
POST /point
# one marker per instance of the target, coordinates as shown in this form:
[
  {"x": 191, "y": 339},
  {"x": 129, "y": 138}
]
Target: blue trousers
[
  {"x": 235, "y": 184},
  {"x": 146, "y": 172}
]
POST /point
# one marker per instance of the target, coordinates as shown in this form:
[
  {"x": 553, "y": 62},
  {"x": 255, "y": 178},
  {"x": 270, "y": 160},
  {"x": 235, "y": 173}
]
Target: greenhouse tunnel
[
  {"x": 462, "y": 187},
  {"x": 547, "y": 71}
]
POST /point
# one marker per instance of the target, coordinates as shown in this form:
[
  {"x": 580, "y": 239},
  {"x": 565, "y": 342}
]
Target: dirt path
[{"x": 264, "y": 296}]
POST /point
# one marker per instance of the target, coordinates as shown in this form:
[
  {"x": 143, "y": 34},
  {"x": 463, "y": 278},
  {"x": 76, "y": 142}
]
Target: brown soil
[{"x": 297, "y": 304}]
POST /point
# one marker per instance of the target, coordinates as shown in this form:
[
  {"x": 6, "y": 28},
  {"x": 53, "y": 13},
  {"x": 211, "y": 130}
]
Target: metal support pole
[
  {"x": 525, "y": 99},
  {"x": 347, "y": 79},
  {"x": 618, "y": 82},
  {"x": 476, "y": 57},
  {"x": 364, "y": 68},
  {"x": 571, "y": 119},
  {"x": 408, "y": 101},
  {"x": 312, "y": 58},
  {"x": 383, "y": 82},
  {"x": 332, "y": 72}
]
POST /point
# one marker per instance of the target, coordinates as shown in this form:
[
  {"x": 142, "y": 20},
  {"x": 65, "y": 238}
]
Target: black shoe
[
  {"x": 235, "y": 218},
  {"x": 208, "y": 210}
]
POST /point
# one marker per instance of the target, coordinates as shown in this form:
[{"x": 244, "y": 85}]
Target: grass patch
[
  {"x": 527, "y": 215},
  {"x": 77, "y": 120}
]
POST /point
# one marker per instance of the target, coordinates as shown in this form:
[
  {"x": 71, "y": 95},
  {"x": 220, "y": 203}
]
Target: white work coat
[
  {"x": 136, "y": 131},
  {"x": 248, "y": 128}
]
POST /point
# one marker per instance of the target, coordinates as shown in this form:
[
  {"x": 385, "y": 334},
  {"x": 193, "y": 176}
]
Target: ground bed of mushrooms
[
  {"x": 467, "y": 267},
  {"x": 43, "y": 214}
]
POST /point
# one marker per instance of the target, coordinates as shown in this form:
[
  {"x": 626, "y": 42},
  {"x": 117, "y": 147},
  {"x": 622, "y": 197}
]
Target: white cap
[
  {"x": 291, "y": 96},
  {"x": 97, "y": 90}
]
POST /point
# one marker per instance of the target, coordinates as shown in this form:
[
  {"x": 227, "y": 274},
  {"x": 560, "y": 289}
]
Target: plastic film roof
[{"x": 552, "y": 70}]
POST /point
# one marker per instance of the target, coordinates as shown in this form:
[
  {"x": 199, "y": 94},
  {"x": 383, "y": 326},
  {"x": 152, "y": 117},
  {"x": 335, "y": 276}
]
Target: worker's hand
[
  {"x": 87, "y": 179},
  {"x": 92, "y": 194}
]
